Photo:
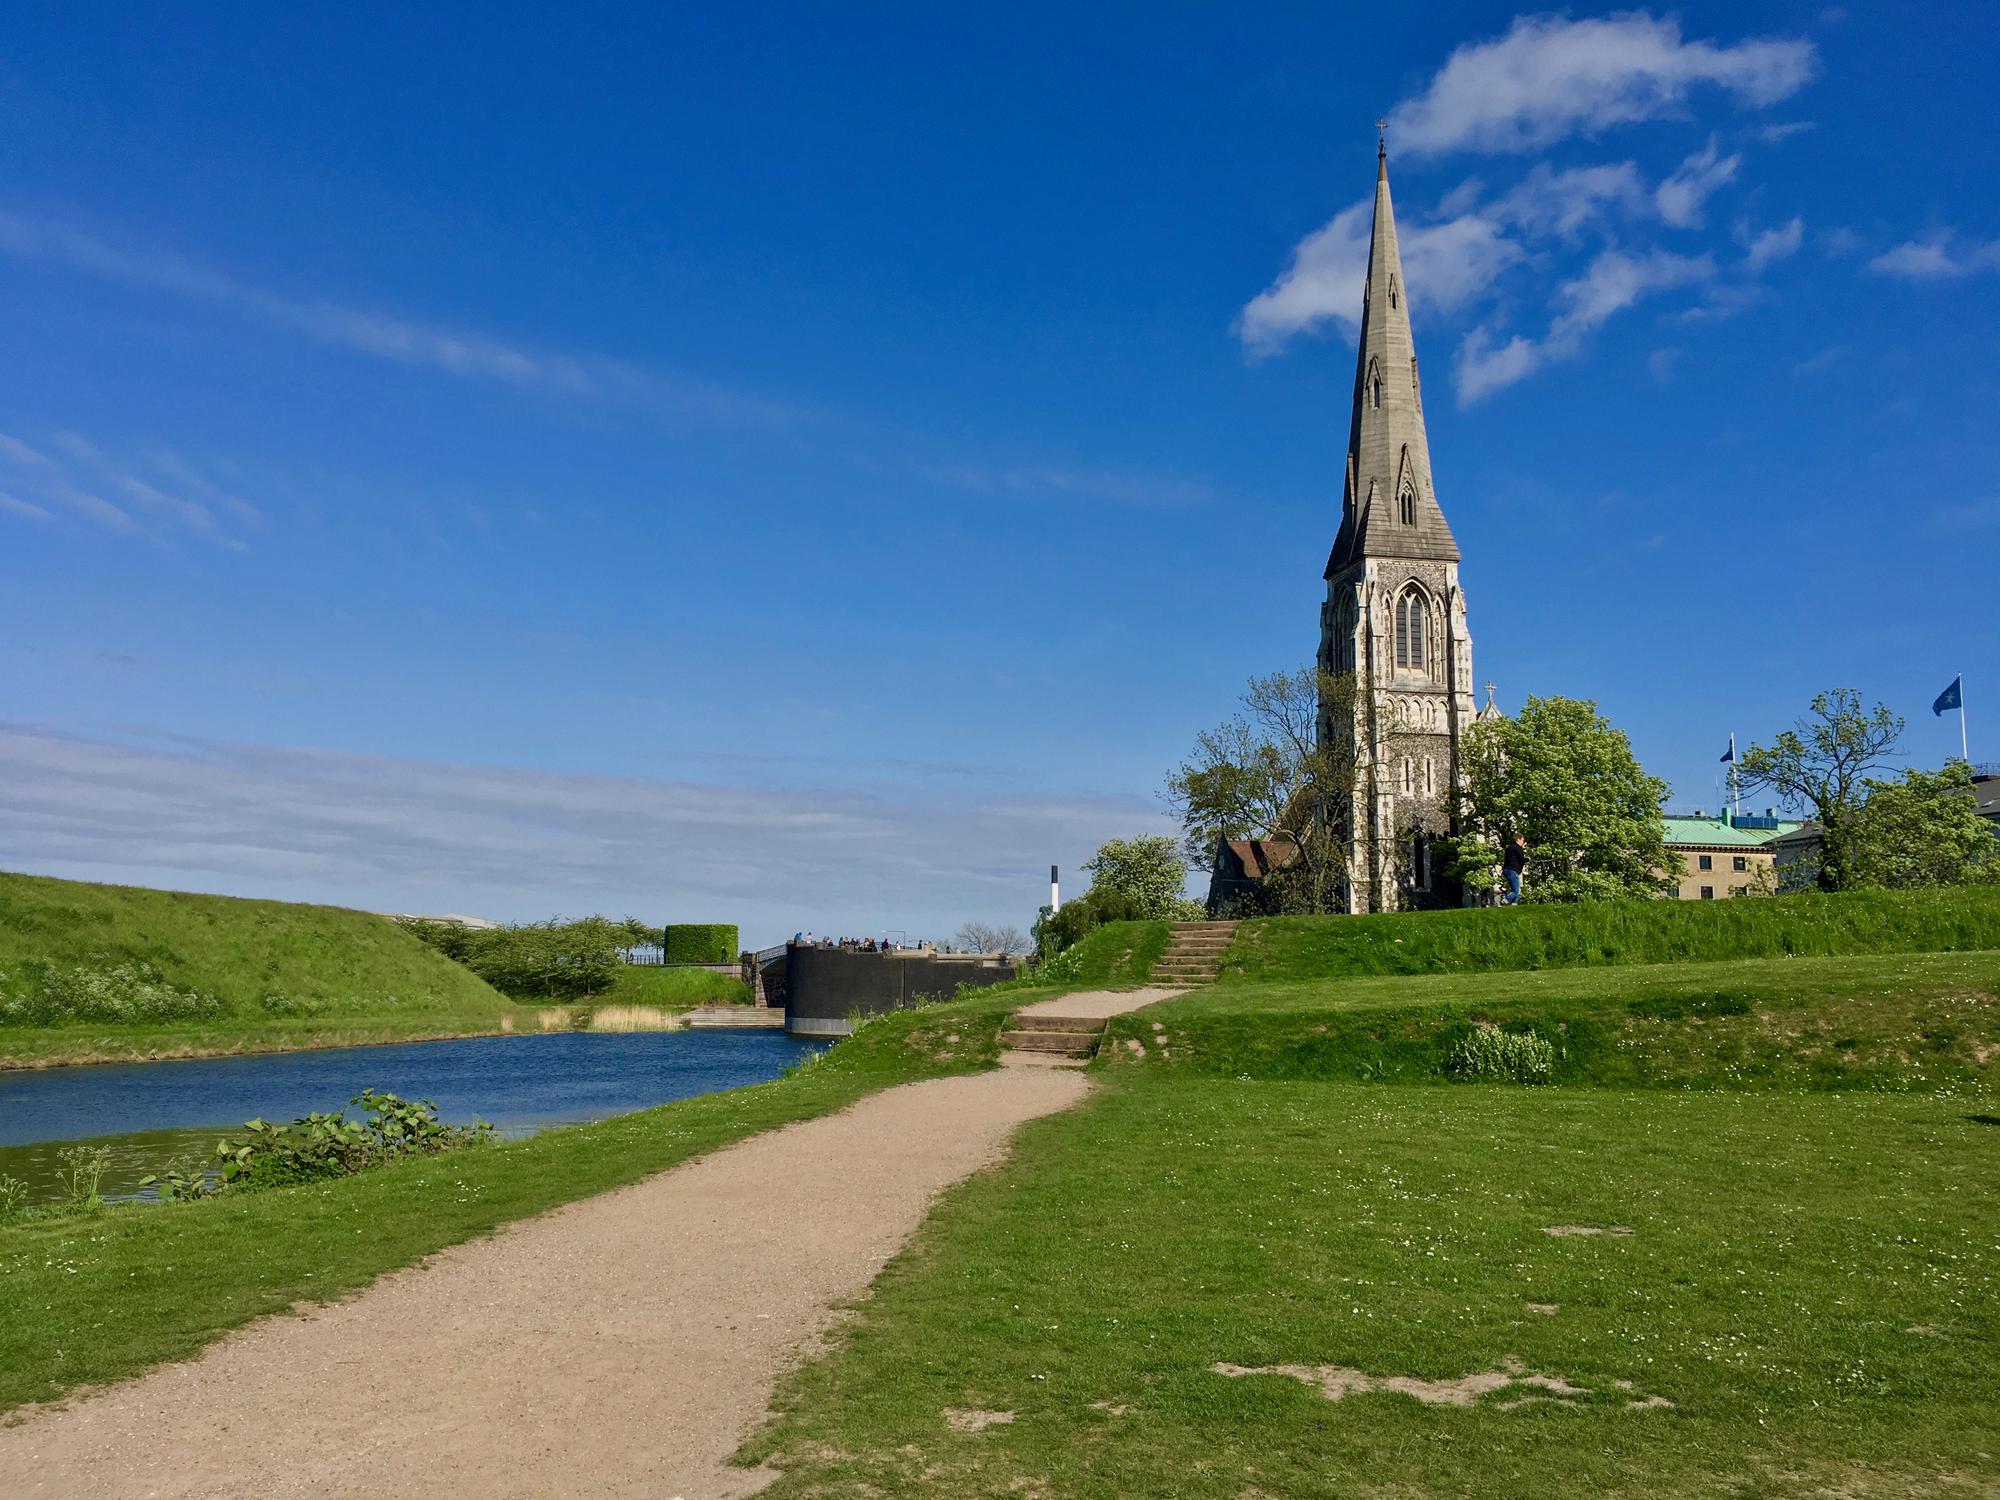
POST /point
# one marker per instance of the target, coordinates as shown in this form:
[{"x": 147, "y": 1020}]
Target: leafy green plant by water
[{"x": 320, "y": 1145}]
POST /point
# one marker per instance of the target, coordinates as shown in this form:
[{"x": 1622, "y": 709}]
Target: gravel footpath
[{"x": 623, "y": 1345}]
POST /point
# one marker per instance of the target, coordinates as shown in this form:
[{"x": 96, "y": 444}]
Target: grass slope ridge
[
  {"x": 1905, "y": 1023},
  {"x": 251, "y": 958},
  {"x": 1614, "y": 932}
]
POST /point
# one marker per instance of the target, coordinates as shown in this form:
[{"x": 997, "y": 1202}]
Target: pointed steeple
[{"x": 1389, "y": 508}]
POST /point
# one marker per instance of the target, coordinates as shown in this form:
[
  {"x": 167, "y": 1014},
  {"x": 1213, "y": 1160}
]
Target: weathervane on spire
[{"x": 1381, "y": 140}]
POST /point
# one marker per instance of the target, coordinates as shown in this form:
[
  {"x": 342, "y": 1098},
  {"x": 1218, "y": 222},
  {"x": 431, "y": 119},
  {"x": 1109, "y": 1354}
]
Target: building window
[
  {"x": 1375, "y": 392},
  {"x": 1673, "y": 893},
  {"x": 1705, "y": 862},
  {"x": 1410, "y": 616},
  {"x": 1740, "y": 863},
  {"x": 1708, "y": 893},
  {"x": 1409, "y": 508}
]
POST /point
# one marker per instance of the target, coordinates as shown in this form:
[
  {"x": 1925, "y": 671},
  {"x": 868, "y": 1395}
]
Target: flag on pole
[
  {"x": 1952, "y": 697},
  {"x": 1729, "y": 755}
]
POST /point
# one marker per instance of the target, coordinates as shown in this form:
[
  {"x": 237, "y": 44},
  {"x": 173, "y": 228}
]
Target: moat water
[{"x": 146, "y": 1114}]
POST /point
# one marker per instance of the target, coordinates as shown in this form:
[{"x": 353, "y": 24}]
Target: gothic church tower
[{"x": 1394, "y": 616}]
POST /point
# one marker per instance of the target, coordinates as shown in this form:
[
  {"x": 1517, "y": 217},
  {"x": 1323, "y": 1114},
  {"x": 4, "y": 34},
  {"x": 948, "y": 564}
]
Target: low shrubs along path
[{"x": 627, "y": 1344}]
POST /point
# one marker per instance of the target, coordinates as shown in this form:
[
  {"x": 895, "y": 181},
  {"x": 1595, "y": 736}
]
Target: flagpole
[
  {"x": 1964, "y": 754},
  {"x": 1735, "y": 791}
]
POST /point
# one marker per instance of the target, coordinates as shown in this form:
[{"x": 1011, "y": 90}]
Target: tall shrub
[{"x": 701, "y": 943}]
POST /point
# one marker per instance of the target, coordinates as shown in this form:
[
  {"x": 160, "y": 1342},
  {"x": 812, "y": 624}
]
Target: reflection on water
[{"x": 148, "y": 1113}]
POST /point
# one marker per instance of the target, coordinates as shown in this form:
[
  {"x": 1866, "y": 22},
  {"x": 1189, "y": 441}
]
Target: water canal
[{"x": 148, "y": 1113}]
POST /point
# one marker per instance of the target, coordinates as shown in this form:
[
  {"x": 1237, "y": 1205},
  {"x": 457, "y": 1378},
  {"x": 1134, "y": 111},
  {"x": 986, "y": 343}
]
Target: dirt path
[
  {"x": 623, "y": 1345},
  {"x": 1099, "y": 1005}
]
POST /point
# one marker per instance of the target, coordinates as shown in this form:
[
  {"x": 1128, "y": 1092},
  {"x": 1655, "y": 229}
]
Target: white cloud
[
  {"x": 1446, "y": 264},
  {"x": 73, "y": 481},
  {"x": 1772, "y": 245},
  {"x": 13, "y": 448},
  {"x": 394, "y": 834},
  {"x": 1550, "y": 77},
  {"x": 1613, "y": 282},
  {"x": 1935, "y": 259},
  {"x": 1662, "y": 363},
  {"x": 17, "y": 507},
  {"x": 1681, "y": 196},
  {"x": 1561, "y": 203},
  {"x": 1976, "y": 515},
  {"x": 96, "y": 508},
  {"x": 396, "y": 339},
  {"x": 1770, "y": 135}
]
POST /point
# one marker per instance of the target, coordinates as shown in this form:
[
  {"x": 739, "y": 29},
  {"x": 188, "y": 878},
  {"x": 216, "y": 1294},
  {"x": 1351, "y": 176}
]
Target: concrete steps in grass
[
  {"x": 1053, "y": 1036},
  {"x": 1194, "y": 952}
]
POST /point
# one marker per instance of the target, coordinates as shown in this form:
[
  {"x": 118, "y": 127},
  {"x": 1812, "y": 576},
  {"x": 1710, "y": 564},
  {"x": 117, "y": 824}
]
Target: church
[{"x": 1394, "y": 615}]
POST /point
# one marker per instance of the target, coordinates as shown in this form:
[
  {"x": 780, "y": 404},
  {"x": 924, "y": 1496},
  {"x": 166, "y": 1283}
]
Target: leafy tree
[
  {"x": 1562, "y": 776},
  {"x": 1820, "y": 767},
  {"x": 984, "y": 937},
  {"x": 1268, "y": 773},
  {"x": 1132, "y": 880},
  {"x": 1923, "y": 830}
]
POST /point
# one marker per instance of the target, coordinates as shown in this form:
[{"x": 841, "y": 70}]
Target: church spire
[{"x": 1389, "y": 508}]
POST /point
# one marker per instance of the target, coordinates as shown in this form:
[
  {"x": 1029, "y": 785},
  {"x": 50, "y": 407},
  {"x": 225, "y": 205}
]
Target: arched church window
[
  {"x": 1411, "y": 615},
  {"x": 1408, "y": 507},
  {"x": 1375, "y": 390}
]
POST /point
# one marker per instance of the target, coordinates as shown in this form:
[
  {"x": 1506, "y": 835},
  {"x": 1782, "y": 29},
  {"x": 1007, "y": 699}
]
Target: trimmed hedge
[{"x": 701, "y": 943}]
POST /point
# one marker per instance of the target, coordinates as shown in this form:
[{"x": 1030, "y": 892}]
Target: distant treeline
[{"x": 552, "y": 960}]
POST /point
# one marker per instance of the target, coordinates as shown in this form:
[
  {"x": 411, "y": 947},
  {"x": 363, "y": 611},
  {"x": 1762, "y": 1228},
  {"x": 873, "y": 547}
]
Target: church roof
[{"x": 1388, "y": 454}]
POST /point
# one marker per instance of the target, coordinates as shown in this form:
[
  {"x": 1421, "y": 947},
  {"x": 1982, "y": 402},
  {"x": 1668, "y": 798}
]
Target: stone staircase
[
  {"x": 1053, "y": 1036},
  {"x": 1194, "y": 953}
]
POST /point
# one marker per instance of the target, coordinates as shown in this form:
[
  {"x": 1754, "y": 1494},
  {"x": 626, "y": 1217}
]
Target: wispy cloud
[
  {"x": 1976, "y": 515},
  {"x": 1939, "y": 258},
  {"x": 400, "y": 340},
  {"x": 1771, "y": 245},
  {"x": 14, "y": 506},
  {"x": 1446, "y": 264},
  {"x": 1771, "y": 135},
  {"x": 73, "y": 481},
  {"x": 1681, "y": 196},
  {"x": 1550, "y": 77},
  {"x": 399, "y": 834},
  {"x": 1116, "y": 487},
  {"x": 1613, "y": 282}
]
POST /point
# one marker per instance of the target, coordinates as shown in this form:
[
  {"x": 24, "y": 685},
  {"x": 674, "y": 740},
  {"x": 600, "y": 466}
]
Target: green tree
[
  {"x": 1563, "y": 777},
  {"x": 1268, "y": 773},
  {"x": 1922, "y": 830},
  {"x": 1819, "y": 768},
  {"x": 1132, "y": 880}
]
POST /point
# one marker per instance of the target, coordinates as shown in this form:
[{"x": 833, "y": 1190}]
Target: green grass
[
  {"x": 1812, "y": 1282},
  {"x": 103, "y": 1297},
  {"x": 279, "y": 974},
  {"x": 1888, "y": 1021},
  {"x": 1614, "y": 932},
  {"x": 672, "y": 989},
  {"x": 1117, "y": 955}
]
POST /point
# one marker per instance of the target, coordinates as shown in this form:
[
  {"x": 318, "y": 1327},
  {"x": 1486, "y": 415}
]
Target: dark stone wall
[{"x": 823, "y": 986}]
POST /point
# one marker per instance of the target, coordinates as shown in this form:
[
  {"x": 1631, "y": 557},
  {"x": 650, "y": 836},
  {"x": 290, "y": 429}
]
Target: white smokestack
[{"x": 1055, "y": 890}]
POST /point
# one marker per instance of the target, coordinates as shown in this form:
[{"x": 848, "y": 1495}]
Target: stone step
[
  {"x": 1065, "y": 1043},
  {"x": 1032, "y": 1022}
]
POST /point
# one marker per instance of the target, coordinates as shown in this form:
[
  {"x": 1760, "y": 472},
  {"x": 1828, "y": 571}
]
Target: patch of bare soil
[
  {"x": 974, "y": 1419},
  {"x": 625, "y": 1345},
  {"x": 1336, "y": 1382},
  {"x": 1567, "y": 1231}
]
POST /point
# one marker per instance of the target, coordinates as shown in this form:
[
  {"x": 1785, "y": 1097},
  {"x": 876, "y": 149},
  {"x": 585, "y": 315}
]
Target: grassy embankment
[
  {"x": 1794, "y": 1293},
  {"x": 102, "y": 973}
]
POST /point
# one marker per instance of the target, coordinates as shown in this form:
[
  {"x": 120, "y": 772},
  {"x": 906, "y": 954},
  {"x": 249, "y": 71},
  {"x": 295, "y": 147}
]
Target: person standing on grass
[{"x": 1513, "y": 862}]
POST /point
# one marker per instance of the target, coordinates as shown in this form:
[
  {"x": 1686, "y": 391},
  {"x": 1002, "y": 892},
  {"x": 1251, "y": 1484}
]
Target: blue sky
[{"x": 819, "y": 465}]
